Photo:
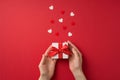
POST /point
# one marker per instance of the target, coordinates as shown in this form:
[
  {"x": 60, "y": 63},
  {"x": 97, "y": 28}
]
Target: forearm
[{"x": 79, "y": 75}]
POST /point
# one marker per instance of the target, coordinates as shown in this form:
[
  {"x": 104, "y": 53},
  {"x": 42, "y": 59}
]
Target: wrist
[
  {"x": 79, "y": 75},
  {"x": 44, "y": 77}
]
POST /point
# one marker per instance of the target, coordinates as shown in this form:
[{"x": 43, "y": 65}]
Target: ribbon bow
[{"x": 62, "y": 49}]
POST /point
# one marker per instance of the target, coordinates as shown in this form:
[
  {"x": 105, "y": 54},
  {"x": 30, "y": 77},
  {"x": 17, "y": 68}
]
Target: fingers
[
  {"x": 75, "y": 52},
  {"x": 72, "y": 45},
  {"x": 48, "y": 50},
  {"x": 46, "y": 59},
  {"x": 54, "y": 61},
  {"x": 74, "y": 48}
]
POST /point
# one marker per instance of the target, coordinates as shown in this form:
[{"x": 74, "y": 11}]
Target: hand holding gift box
[{"x": 60, "y": 51}]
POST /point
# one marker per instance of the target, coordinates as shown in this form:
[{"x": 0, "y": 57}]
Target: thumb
[
  {"x": 43, "y": 60},
  {"x": 75, "y": 53}
]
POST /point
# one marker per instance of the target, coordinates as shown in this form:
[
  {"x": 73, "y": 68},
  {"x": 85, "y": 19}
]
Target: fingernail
[{"x": 68, "y": 41}]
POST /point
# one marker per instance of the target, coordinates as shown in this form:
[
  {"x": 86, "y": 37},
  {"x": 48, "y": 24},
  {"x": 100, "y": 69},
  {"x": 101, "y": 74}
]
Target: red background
[{"x": 24, "y": 37}]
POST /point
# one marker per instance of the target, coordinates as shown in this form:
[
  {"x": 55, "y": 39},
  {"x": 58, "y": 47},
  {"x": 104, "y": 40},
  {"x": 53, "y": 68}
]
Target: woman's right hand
[{"x": 75, "y": 62}]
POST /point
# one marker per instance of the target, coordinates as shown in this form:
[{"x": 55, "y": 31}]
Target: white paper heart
[
  {"x": 69, "y": 34},
  {"x": 50, "y": 31},
  {"x": 72, "y": 14},
  {"x": 60, "y": 20},
  {"x": 51, "y": 7}
]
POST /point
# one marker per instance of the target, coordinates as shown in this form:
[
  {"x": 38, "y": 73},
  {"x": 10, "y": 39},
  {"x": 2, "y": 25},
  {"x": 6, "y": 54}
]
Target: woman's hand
[
  {"x": 75, "y": 62},
  {"x": 46, "y": 66}
]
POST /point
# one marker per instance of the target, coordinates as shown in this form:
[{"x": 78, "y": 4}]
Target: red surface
[{"x": 24, "y": 37}]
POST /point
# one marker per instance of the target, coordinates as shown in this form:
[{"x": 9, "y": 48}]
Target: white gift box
[{"x": 57, "y": 56}]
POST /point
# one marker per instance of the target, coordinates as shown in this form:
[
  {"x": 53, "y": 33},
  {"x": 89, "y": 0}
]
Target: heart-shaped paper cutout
[
  {"x": 73, "y": 23},
  {"x": 72, "y": 14},
  {"x": 52, "y": 21},
  {"x": 50, "y": 31},
  {"x": 57, "y": 34},
  {"x": 61, "y": 20},
  {"x": 64, "y": 27},
  {"x": 51, "y": 7},
  {"x": 63, "y": 12},
  {"x": 69, "y": 34}
]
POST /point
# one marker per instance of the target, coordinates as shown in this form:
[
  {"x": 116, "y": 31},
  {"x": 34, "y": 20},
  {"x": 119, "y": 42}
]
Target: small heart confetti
[
  {"x": 69, "y": 34},
  {"x": 51, "y": 7},
  {"x": 57, "y": 34},
  {"x": 50, "y": 31},
  {"x": 52, "y": 21},
  {"x": 63, "y": 12},
  {"x": 61, "y": 20},
  {"x": 73, "y": 23},
  {"x": 64, "y": 27},
  {"x": 72, "y": 14}
]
